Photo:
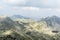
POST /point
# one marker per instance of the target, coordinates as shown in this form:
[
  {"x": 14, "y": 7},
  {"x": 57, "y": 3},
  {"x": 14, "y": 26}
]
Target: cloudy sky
[{"x": 30, "y": 8}]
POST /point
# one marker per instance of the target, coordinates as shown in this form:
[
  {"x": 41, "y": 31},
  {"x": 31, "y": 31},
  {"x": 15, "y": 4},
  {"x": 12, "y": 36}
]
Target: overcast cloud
[{"x": 30, "y": 8}]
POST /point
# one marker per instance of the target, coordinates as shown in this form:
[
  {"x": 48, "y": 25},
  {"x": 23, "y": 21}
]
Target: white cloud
[
  {"x": 44, "y": 3},
  {"x": 31, "y": 8},
  {"x": 1, "y": 7},
  {"x": 34, "y": 11},
  {"x": 14, "y": 1},
  {"x": 34, "y": 3}
]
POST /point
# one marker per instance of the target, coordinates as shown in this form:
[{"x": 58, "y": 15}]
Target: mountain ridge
[{"x": 19, "y": 17}]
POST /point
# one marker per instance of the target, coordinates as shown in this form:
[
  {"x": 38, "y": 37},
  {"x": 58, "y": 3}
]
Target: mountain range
[
  {"x": 52, "y": 20},
  {"x": 44, "y": 29}
]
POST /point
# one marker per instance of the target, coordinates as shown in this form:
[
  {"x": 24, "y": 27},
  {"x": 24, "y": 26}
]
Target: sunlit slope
[{"x": 38, "y": 31}]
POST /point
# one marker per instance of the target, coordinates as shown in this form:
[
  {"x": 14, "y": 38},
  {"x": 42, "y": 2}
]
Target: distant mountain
[
  {"x": 18, "y": 17},
  {"x": 52, "y": 21}
]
